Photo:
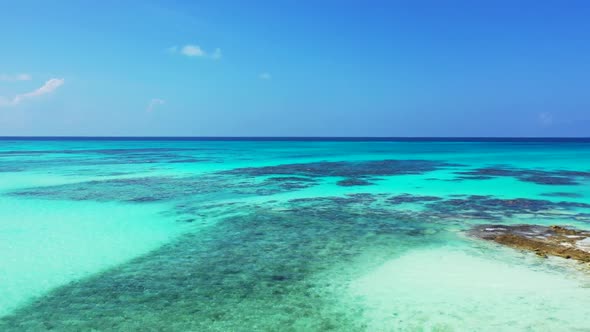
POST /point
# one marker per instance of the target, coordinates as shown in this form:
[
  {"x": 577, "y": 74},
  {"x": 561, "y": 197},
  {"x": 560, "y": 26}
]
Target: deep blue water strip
[{"x": 302, "y": 139}]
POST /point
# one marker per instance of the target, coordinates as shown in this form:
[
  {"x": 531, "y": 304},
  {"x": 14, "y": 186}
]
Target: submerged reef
[
  {"x": 194, "y": 191},
  {"x": 264, "y": 266},
  {"x": 408, "y": 198},
  {"x": 557, "y": 177},
  {"x": 558, "y": 241},
  {"x": 266, "y": 180},
  {"x": 263, "y": 270},
  {"x": 271, "y": 236},
  {"x": 350, "y": 169},
  {"x": 490, "y": 206},
  {"x": 563, "y": 194},
  {"x": 441, "y": 210},
  {"x": 165, "y": 188},
  {"x": 353, "y": 182},
  {"x": 468, "y": 208},
  {"x": 96, "y": 159},
  {"x": 253, "y": 261}
]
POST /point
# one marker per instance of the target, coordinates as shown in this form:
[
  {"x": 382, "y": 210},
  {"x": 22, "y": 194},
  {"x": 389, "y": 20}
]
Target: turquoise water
[{"x": 286, "y": 235}]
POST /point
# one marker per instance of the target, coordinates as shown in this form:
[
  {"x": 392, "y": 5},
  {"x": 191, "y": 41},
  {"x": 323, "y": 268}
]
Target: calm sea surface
[{"x": 287, "y": 235}]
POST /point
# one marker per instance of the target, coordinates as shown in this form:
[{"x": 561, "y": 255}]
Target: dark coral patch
[
  {"x": 488, "y": 207},
  {"x": 353, "y": 182},
  {"x": 287, "y": 183},
  {"x": 186, "y": 161},
  {"x": 557, "y": 177},
  {"x": 8, "y": 169},
  {"x": 152, "y": 189},
  {"x": 476, "y": 177},
  {"x": 563, "y": 194},
  {"x": 290, "y": 178},
  {"x": 407, "y": 198},
  {"x": 435, "y": 209},
  {"x": 346, "y": 169},
  {"x": 549, "y": 180}
]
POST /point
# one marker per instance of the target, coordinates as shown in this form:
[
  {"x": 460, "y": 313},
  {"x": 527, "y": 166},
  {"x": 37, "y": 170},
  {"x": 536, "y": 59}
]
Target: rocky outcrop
[{"x": 558, "y": 241}]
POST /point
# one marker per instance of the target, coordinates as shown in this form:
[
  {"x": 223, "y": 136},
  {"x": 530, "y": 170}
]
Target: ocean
[{"x": 287, "y": 234}]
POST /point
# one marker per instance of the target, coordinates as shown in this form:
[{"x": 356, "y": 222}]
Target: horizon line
[{"x": 309, "y": 138}]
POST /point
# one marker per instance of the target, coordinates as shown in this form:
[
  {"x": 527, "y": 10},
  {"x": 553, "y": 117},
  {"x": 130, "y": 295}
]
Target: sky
[{"x": 295, "y": 68}]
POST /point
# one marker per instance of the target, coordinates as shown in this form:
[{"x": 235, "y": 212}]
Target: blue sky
[{"x": 295, "y": 68}]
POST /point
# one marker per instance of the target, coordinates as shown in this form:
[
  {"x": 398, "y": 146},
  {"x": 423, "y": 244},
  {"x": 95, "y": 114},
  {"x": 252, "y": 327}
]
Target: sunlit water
[{"x": 286, "y": 235}]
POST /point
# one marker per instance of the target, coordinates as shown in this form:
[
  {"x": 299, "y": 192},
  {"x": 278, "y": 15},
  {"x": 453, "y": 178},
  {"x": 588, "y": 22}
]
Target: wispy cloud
[
  {"x": 216, "y": 55},
  {"x": 47, "y": 88},
  {"x": 191, "y": 50},
  {"x": 155, "y": 102},
  {"x": 546, "y": 118},
  {"x": 265, "y": 76},
  {"x": 15, "y": 77}
]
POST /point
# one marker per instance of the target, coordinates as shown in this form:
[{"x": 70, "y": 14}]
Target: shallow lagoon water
[
  {"x": 286, "y": 235},
  {"x": 47, "y": 244}
]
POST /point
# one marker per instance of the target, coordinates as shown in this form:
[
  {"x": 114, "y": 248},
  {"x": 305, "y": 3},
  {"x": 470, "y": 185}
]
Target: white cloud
[
  {"x": 155, "y": 102},
  {"x": 16, "y": 77},
  {"x": 47, "y": 88},
  {"x": 265, "y": 76},
  {"x": 192, "y": 50}
]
